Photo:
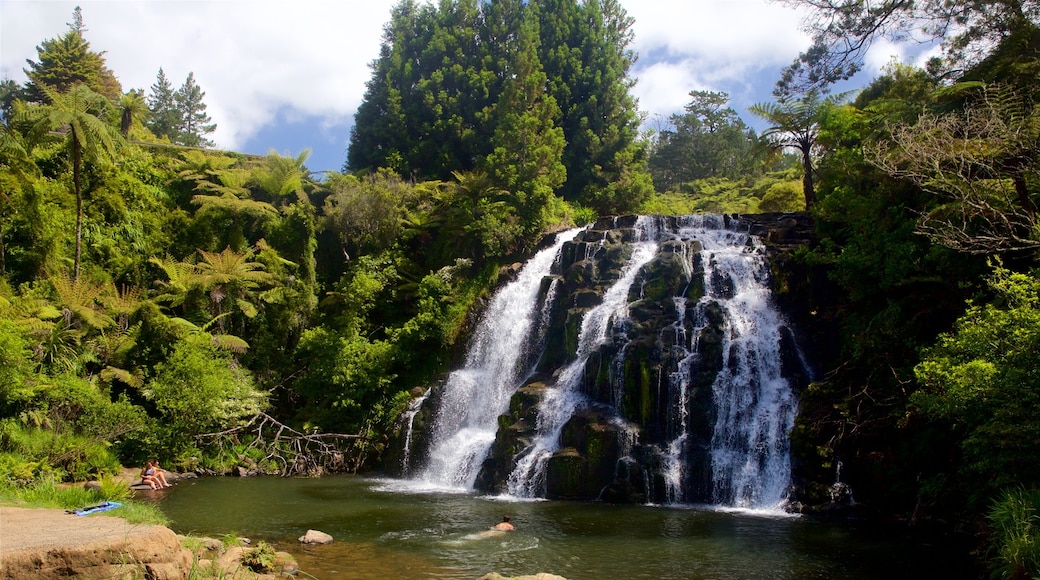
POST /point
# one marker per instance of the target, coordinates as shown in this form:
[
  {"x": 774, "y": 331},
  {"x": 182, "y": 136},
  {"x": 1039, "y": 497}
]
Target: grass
[{"x": 47, "y": 493}]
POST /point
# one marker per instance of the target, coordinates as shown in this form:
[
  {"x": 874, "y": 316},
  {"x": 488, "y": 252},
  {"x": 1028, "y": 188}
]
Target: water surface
[{"x": 384, "y": 529}]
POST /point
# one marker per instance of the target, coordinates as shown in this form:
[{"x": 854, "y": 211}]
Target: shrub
[
  {"x": 1015, "y": 544},
  {"x": 260, "y": 558}
]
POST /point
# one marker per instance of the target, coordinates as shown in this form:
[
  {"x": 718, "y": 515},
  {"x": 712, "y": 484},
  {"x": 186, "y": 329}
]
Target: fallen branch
[{"x": 294, "y": 452}]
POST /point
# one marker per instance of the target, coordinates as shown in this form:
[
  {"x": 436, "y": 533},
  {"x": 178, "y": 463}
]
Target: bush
[
  {"x": 29, "y": 452},
  {"x": 260, "y": 558},
  {"x": 1015, "y": 544}
]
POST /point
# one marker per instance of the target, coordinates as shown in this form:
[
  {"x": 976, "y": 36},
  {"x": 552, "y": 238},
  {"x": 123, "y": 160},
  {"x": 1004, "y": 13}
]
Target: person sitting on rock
[
  {"x": 152, "y": 475},
  {"x": 504, "y": 525},
  {"x": 160, "y": 473}
]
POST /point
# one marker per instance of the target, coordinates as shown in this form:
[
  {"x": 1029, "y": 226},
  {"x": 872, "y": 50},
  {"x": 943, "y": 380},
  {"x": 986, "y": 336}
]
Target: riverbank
[
  {"x": 49, "y": 543},
  {"x": 40, "y": 543}
]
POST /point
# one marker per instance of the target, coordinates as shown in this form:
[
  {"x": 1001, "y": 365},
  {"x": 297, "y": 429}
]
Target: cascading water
[
  {"x": 408, "y": 418},
  {"x": 755, "y": 405},
  {"x": 687, "y": 399},
  {"x": 528, "y": 477},
  {"x": 497, "y": 362}
]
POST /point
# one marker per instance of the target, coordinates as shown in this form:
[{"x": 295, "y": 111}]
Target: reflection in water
[{"x": 387, "y": 534}]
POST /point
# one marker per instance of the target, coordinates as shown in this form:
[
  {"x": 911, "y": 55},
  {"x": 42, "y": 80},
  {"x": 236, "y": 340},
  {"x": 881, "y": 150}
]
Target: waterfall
[
  {"x": 755, "y": 405},
  {"x": 672, "y": 465},
  {"x": 673, "y": 321},
  {"x": 498, "y": 360},
  {"x": 408, "y": 419},
  {"x": 564, "y": 397}
]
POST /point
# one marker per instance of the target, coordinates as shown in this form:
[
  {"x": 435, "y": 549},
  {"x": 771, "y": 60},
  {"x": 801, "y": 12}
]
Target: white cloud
[
  {"x": 719, "y": 45},
  {"x": 266, "y": 63},
  {"x": 253, "y": 58}
]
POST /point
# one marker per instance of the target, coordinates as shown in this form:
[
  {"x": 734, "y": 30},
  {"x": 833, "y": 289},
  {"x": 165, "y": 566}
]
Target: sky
[{"x": 288, "y": 75}]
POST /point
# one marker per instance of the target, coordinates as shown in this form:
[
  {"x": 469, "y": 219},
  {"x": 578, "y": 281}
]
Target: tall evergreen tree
[
  {"x": 66, "y": 61},
  {"x": 380, "y": 136},
  {"x": 194, "y": 122},
  {"x": 527, "y": 143},
  {"x": 708, "y": 140},
  {"x": 165, "y": 118},
  {"x": 585, "y": 53},
  {"x": 429, "y": 107},
  {"x": 77, "y": 21}
]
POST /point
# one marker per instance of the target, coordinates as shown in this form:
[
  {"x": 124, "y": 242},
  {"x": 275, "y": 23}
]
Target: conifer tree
[
  {"x": 194, "y": 122},
  {"x": 68, "y": 60},
  {"x": 527, "y": 143},
  {"x": 165, "y": 118},
  {"x": 586, "y": 56}
]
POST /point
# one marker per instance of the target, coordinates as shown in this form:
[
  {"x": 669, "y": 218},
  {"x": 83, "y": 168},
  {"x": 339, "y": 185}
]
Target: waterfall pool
[{"x": 388, "y": 529}]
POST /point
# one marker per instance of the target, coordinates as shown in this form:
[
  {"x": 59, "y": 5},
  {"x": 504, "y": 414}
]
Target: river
[{"x": 390, "y": 529}]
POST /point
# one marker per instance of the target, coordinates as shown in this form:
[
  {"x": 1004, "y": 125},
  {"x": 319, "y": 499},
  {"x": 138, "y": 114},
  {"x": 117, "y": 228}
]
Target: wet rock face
[{"x": 612, "y": 448}]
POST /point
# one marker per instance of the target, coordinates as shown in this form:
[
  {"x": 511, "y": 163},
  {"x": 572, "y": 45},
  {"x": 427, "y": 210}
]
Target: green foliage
[
  {"x": 194, "y": 122},
  {"x": 65, "y": 62},
  {"x": 259, "y": 558},
  {"x": 981, "y": 381},
  {"x": 772, "y": 192},
  {"x": 1014, "y": 519},
  {"x": 165, "y": 118},
  {"x": 30, "y": 454},
  {"x": 348, "y": 381},
  {"x": 199, "y": 389},
  {"x": 709, "y": 140},
  {"x": 502, "y": 86},
  {"x": 365, "y": 213}
]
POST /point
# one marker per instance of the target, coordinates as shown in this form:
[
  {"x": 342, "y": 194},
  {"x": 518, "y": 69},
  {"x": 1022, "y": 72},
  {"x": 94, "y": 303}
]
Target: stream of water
[{"x": 383, "y": 529}]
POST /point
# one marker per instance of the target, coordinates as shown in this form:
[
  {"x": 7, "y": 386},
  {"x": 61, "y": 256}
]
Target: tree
[
  {"x": 77, "y": 21},
  {"x": 232, "y": 276},
  {"x": 284, "y": 179},
  {"x": 16, "y": 170},
  {"x": 199, "y": 388},
  {"x": 795, "y": 125},
  {"x": 380, "y": 134},
  {"x": 709, "y": 140},
  {"x": 194, "y": 122},
  {"x": 10, "y": 92},
  {"x": 527, "y": 154},
  {"x": 843, "y": 31},
  {"x": 981, "y": 380},
  {"x": 132, "y": 108},
  {"x": 89, "y": 138},
  {"x": 66, "y": 61},
  {"x": 165, "y": 118},
  {"x": 981, "y": 163},
  {"x": 430, "y": 105},
  {"x": 365, "y": 214},
  {"x": 585, "y": 54}
]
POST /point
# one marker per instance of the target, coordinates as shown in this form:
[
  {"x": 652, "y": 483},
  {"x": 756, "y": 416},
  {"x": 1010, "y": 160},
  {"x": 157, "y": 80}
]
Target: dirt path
[{"x": 46, "y": 529}]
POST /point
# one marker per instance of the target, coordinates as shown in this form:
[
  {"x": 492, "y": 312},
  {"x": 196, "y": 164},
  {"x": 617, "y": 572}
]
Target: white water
[
  {"x": 750, "y": 453},
  {"x": 755, "y": 406},
  {"x": 673, "y": 468},
  {"x": 565, "y": 397},
  {"x": 496, "y": 365},
  {"x": 409, "y": 417}
]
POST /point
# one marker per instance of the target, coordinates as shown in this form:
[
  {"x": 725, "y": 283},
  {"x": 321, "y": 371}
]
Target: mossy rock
[{"x": 565, "y": 475}]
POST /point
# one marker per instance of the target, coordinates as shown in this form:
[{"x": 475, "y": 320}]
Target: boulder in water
[{"x": 315, "y": 537}]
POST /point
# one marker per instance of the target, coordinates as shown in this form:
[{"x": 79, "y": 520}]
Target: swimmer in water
[{"x": 504, "y": 525}]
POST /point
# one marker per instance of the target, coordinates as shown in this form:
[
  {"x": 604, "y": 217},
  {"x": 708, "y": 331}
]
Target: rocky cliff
[{"x": 619, "y": 442}]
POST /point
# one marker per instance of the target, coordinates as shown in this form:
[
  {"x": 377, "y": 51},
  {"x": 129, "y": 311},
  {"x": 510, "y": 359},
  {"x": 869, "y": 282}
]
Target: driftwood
[{"x": 292, "y": 451}]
